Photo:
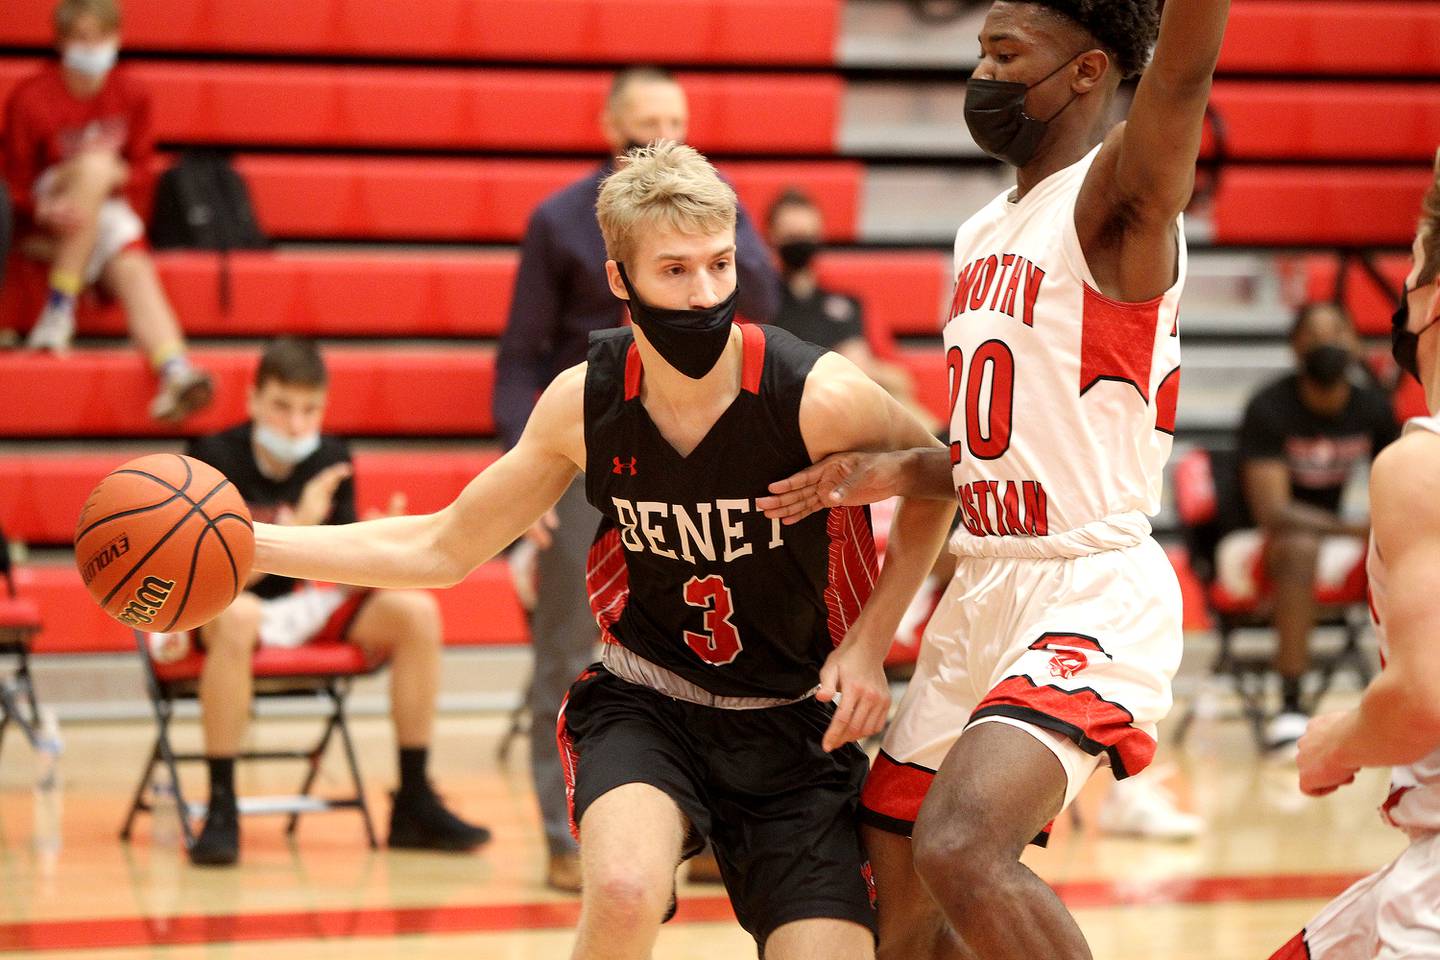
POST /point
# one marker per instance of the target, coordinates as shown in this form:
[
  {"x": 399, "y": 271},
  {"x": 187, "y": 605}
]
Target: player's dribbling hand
[
  {"x": 859, "y": 680},
  {"x": 1319, "y": 773},
  {"x": 840, "y": 480}
]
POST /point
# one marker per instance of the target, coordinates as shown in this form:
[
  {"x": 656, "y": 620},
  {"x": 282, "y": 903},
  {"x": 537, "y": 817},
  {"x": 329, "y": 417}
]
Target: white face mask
[
  {"x": 91, "y": 59},
  {"x": 287, "y": 450}
]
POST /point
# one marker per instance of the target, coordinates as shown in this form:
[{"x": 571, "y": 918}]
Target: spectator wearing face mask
[
  {"x": 1301, "y": 439},
  {"x": 826, "y": 318},
  {"x": 291, "y": 473},
  {"x": 78, "y": 151}
]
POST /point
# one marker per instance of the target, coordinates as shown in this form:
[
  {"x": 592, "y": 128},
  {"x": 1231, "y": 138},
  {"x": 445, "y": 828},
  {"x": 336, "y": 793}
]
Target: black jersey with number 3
[{"x": 684, "y": 570}]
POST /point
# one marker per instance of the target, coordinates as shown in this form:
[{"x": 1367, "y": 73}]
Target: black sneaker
[
  {"x": 219, "y": 842},
  {"x": 419, "y": 821}
]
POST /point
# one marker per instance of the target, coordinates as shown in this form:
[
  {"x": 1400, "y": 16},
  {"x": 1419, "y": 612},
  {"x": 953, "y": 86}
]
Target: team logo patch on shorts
[{"x": 1067, "y": 663}]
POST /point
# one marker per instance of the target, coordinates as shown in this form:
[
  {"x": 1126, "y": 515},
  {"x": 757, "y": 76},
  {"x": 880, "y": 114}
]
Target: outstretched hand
[
  {"x": 864, "y": 693},
  {"x": 840, "y": 480}
]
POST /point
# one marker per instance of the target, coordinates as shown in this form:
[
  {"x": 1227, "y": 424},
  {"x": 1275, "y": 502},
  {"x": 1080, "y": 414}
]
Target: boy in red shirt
[{"x": 78, "y": 152}]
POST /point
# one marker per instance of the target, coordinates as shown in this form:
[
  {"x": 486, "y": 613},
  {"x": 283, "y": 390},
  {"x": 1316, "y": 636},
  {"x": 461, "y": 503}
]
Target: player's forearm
[
  {"x": 393, "y": 552},
  {"x": 1188, "y": 47},
  {"x": 924, "y": 474},
  {"x": 916, "y": 538},
  {"x": 1396, "y": 723}
]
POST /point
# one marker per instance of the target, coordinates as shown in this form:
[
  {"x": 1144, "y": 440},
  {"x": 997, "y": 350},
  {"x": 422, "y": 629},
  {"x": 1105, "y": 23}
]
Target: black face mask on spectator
[
  {"x": 798, "y": 254},
  {"x": 1325, "y": 364},
  {"x": 691, "y": 341}
]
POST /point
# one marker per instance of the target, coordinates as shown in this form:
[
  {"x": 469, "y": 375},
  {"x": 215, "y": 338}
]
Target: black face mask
[
  {"x": 797, "y": 254},
  {"x": 691, "y": 341},
  {"x": 1325, "y": 365},
  {"x": 995, "y": 114},
  {"x": 1404, "y": 345}
]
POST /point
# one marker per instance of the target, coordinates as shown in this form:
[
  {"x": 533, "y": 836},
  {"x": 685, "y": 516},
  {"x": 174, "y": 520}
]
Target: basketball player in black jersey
[{"x": 729, "y": 637}]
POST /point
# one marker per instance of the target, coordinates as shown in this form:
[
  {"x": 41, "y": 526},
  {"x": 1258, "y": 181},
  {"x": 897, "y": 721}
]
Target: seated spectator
[
  {"x": 288, "y": 472},
  {"x": 1301, "y": 438},
  {"x": 78, "y": 151},
  {"x": 828, "y": 319}
]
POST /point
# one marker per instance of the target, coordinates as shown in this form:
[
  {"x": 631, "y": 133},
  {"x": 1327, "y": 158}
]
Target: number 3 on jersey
[
  {"x": 720, "y": 643},
  {"x": 992, "y": 362}
]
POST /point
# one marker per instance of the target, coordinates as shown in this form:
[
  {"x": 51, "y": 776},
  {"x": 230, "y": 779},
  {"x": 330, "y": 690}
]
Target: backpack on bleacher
[{"x": 202, "y": 203}]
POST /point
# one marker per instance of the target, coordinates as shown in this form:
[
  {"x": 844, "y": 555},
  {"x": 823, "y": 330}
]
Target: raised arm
[
  {"x": 845, "y": 410},
  {"x": 1398, "y": 718},
  {"x": 439, "y": 549},
  {"x": 1155, "y": 171}
]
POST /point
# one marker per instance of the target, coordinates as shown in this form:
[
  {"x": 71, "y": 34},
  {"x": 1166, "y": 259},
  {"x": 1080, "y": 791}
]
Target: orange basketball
[{"x": 164, "y": 543}]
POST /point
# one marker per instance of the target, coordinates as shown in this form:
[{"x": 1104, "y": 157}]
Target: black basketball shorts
[{"x": 780, "y": 811}]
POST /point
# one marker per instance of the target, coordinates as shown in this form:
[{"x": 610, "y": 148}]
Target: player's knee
[
  {"x": 956, "y": 856},
  {"x": 624, "y": 895}
]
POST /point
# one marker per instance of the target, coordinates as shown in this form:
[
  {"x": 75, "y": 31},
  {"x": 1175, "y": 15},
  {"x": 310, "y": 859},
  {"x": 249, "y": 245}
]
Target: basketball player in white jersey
[
  {"x": 1395, "y": 912},
  {"x": 1053, "y": 649}
]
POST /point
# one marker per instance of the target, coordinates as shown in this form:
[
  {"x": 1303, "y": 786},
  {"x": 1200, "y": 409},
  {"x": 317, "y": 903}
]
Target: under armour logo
[{"x": 622, "y": 467}]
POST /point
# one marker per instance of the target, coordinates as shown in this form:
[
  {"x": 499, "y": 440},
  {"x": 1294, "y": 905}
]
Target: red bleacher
[
  {"x": 1370, "y": 306},
  {"x": 1336, "y": 37},
  {"x": 41, "y": 493},
  {"x": 375, "y": 198},
  {"x": 1337, "y": 121},
  {"x": 376, "y": 293},
  {"x": 525, "y": 110},
  {"x": 788, "y": 32},
  {"x": 74, "y": 623},
  {"x": 1342, "y": 206},
  {"x": 102, "y": 393}
]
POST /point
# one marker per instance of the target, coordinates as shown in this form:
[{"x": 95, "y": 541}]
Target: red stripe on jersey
[
  {"x": 1167, "y": 399},
  {"x": 607, "y": 580},
  {"x": 895, "y": 790},
  {"x": 852, "y": 570},
  {"x": 752, "y": 340},
  {"x": 633, "y": 371},
  {"x": 1295, "y": 949},
  {"x": 1093, "y": 722},
  {"x": 1076, "y": 641},
  {"x": 1117, "y": 341}
]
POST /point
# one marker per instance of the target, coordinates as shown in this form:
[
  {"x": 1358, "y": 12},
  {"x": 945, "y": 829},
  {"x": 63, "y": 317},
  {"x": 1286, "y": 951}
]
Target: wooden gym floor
[{"x": 69, "y": 889}]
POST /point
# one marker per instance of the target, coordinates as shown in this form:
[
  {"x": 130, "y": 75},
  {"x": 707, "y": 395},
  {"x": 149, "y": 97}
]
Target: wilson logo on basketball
[
  {"x": 149, "y": 601},
  {"x": 1068, "y": 663},
  {"x": 103, "y": 557}
]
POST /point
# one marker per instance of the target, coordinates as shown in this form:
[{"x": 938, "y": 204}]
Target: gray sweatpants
[{"x": 563, "y": 635}]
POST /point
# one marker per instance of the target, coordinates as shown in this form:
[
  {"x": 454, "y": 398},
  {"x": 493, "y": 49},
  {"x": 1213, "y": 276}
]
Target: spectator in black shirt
[
  {"x": 561, "y": 296},
  {"x": 1301, "y": 439},
  {"x": 826, "y": 318},
  {"x": 288, "y": 472}
]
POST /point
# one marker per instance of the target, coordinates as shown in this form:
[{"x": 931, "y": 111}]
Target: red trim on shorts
[
  {"x": 1355, "y": 585},
  {"x": 569, "y": 757},
  {"x": 1052, "y": 641},
  {"x": 1387, "y": 808},
  {"x": 1295, "y": 949},
  {"x": 1094, "y": 723},
  {"x": 893, "y": 792},
  {"x": 852, "y": 568},
  {"x": 337, "y": 628},
  {"x": 752, "y": 345},
  {"x": 634, "y": 372},
  {"x": 607, "y": 581}
]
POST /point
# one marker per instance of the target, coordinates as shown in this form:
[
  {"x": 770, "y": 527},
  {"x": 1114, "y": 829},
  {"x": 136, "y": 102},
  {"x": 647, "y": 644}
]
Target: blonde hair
[
  {"x": 666, "y": 184},
  {"x": 1430, "y": 229},
  {"x": 68, "y": 11}
]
